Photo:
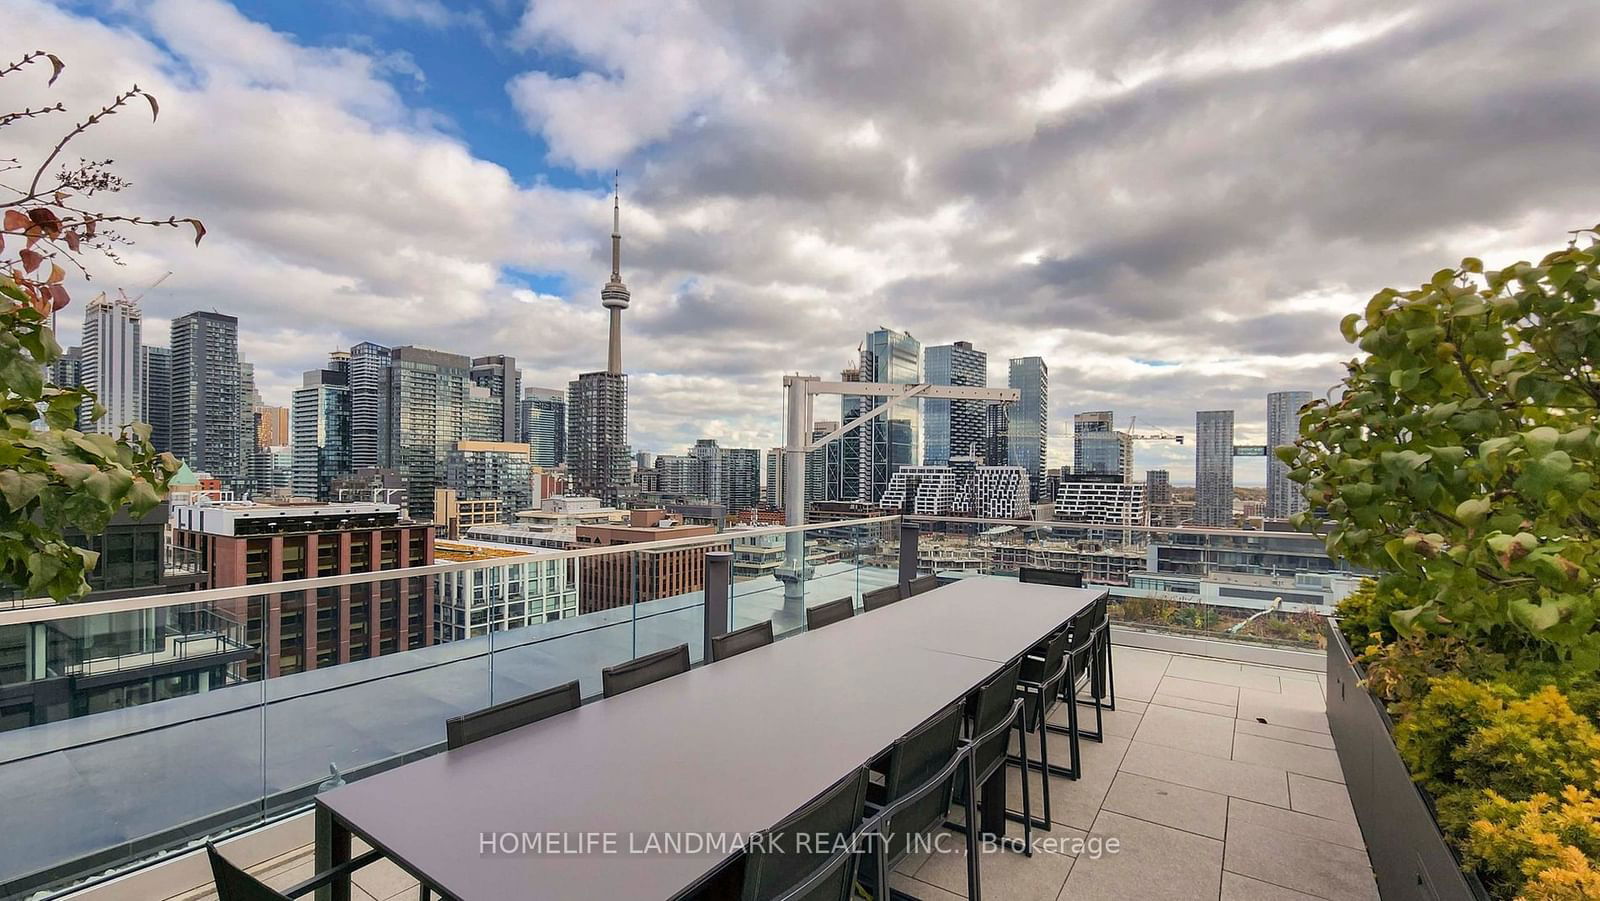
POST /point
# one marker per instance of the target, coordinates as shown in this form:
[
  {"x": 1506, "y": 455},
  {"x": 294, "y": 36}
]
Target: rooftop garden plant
[{"x": 1458, "y": 461}]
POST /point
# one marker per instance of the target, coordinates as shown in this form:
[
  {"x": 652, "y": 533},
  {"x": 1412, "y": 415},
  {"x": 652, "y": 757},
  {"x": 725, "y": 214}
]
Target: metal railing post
[
  {"x": 908, "y": 551},
  {"x": 719, "y": 580}
]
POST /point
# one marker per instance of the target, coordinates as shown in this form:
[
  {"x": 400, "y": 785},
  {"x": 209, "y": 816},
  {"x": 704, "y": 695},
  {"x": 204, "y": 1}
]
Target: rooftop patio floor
[{"x": 1217, "y": 779}]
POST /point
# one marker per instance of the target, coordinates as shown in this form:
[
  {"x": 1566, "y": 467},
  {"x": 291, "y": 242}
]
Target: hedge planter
[{"x": 1409, "y": 854}]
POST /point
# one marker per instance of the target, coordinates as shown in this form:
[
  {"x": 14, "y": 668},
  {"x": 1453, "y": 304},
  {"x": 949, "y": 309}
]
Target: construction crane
[
  {"x": 151, "y": 287},
  {"x": 1150, "y": 436}
]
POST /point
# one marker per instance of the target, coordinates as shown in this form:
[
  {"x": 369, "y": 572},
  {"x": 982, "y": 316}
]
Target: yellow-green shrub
[
  {"x": 1466, "y": 737},
  {"x": 1541, "y": 848}
]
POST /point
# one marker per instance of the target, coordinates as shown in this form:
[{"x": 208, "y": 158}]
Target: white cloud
[{"x": 1172, "y": 203}]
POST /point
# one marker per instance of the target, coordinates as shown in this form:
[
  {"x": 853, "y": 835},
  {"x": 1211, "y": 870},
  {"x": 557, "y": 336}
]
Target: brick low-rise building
[
  {"x": 616, "y": 580},
  {"x": 248, "y": 544}
]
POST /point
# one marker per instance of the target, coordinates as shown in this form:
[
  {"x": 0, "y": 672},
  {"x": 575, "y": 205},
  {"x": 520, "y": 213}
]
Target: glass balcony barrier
[
  {"x": 132, "y": 728},
  {"x": 1241, "y": 585}
]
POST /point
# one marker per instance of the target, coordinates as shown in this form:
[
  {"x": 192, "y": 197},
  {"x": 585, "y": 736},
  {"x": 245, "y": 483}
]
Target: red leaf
[
  {"x": 56, "y": 66},
  {"x": 155, "y": 108},
  {"x": 199, "y": 230},
  {"x": 46, "y": 219},
  {"x": 17, "y": 221},
  {"x": 58, "y": 297},
  {"x": 71, "y": 237},
  {"x": 31, "y": 260}
]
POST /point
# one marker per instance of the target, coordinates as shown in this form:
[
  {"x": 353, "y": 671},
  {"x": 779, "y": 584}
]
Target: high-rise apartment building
[
  {"x": 207, "y": 395},
  {"x": 369, "y": 405},
  {"x": 954, "y": 430},
  {"x": 597, "y": 402},
  {"x": 893, "y": 439},
  {"x": 272, "y": 425},
  {"x": 492, "y": 470},
  {"x": 843, "y": 473},
  {"x": 1157, "y": 486},
  {"x": 707, "y": 471},
  {"x": 997, "y": 435},
  {"x": 741, "y": 478},
  {"x": 1283, "y": 426},
  {"x": 155, "y": 381},
  {"x": 544, "y": 425},
  {"x": 1098, "y": 448},
  {"x": 320, "y": 437},
  {"x": 498, "y": 374},
  {"x": 1213, "y": 468},
  {"x": 428, "y": 392},
  {"x": 111, "y": 363},
  {"x": 1028, "y": 425}
]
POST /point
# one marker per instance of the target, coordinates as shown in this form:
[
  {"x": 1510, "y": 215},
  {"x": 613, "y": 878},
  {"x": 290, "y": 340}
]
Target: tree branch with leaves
[{"x": 53, "y": 477}]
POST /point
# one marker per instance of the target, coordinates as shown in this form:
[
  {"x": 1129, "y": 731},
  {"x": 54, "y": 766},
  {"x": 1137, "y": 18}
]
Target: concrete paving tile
[
  {"x": 1243, "y": 888},
  {"x": 1222, "y": 672},
  {"x": 1150, "y": 861},
  {"x": 1280, "y": 710},
  {"x": 1235, "y": 778},
  {"x": 1284, "y": 733},
  {"x": 1162, "y": 699},
  {"x": 1072, "y": 802},
  {"x": 1179, "y": 728},
  {"x": 1300, "y": 863},
  {"x": 1337, "y": 832},
  {"x": 1318, "y": 797},
  {"x": 1004, "y": 873},
  {"x": 1169, "y": 804},
  {"x": 916, "y": 888},
  {"x": 384, "y": 879},
  {"x": 1123, "y": 721},
  {"x": 1295, "y": 758},
  {"x": 1211, "y": 692},
  {"x": 1137, "y": 672},
  {"x": 1311, "y": 694}
]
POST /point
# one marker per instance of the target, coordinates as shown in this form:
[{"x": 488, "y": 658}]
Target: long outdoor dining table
[{"x": 645, "y": 795}]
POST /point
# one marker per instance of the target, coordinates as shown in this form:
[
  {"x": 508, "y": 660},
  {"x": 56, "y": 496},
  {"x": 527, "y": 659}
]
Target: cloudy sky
[{"x": 1171, "y": 201}]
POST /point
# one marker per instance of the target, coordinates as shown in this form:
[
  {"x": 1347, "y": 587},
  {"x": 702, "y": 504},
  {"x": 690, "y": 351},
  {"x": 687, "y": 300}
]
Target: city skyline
[{"x": 1171, "y": 280}]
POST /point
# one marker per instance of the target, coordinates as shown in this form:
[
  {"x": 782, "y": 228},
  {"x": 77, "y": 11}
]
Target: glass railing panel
[
  {"x": 357, "y": 681},
  {"x": 124, "y": 734}
]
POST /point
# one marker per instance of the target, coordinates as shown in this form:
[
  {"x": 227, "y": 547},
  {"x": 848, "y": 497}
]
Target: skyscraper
[
  {"x": 954, "y": 431},
  {"x": 1098, "y": 448},
  {"x": 997, "y": 435},
  {"x": 707, "y": 470},
  {"x": 1283, "y": 426},
  {"x": 249, "y": 429},
  {"x": 843, "y": 471},
  {"x": 428, "y": 409},
  {"x": 156, "y": 406},
  {"x": 111, "y": 363},
  {"x": 498, "y": 373},
  {"x": 369, "y": 405},
  {"x": 320, "y": 435},
  {"x": 492, "y": 470},
  {"x": 1213, "y": 468},
  {"x": 1028, "y": 426},
  {"x": 894, "y": 439},
  {"x": 207, "y": 395},
  {"x": 741, "y": 478},
  {"x": 544, "y": 425},
  {"x": 597, "y": 402}
]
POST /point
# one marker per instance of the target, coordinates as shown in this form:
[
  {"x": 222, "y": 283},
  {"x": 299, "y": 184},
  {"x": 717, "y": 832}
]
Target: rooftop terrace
[{"x": 1205, "y": 800}]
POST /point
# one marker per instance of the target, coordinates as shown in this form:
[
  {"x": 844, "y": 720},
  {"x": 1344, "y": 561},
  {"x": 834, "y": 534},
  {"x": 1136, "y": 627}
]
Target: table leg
[{"x": 333, "y": 849}]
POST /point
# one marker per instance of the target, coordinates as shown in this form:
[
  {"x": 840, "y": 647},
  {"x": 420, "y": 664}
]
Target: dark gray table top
[{"x": 730, "y": 748}]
